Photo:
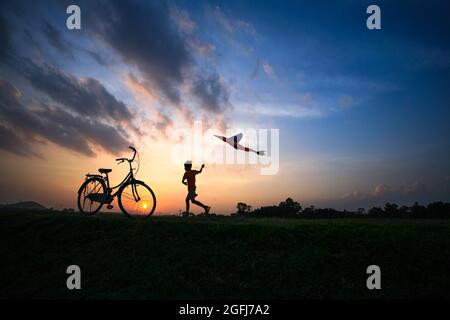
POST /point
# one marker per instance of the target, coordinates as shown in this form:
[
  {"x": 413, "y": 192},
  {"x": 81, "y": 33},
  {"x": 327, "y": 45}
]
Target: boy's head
[{"x": 188, "y": 165}]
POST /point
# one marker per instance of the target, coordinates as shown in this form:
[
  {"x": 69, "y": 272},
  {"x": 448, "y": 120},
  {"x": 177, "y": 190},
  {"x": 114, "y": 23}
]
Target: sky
[{"x": 362, "y": 114}]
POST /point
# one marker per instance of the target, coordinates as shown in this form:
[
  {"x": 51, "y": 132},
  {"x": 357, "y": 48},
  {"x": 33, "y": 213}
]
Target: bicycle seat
[{"x": 102, "y": 170}]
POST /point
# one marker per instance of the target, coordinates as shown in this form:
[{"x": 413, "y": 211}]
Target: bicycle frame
[{"x": 128, "y": 179}]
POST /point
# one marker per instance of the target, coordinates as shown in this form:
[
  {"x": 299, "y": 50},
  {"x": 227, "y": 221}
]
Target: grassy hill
[
  {"x": 23, "y": 205},
  {"x": 221, "y": 257}
]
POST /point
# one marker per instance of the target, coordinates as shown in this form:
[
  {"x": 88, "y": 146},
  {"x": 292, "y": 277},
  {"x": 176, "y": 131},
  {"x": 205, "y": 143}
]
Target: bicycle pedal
[{"x": 109, "y": 206}]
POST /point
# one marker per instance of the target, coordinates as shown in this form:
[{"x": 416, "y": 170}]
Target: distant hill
[{"x": 27, "y": 205}]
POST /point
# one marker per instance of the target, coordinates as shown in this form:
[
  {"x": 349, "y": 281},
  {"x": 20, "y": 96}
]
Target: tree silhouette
[
  {"x": 390, "y": 208},
  {"x": 292, "y": 209},
  {"x": 243, "y": 208}
]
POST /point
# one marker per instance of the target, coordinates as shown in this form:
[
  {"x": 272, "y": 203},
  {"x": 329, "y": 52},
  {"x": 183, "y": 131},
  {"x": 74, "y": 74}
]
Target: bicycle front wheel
[{"x": 137, "y": 200}]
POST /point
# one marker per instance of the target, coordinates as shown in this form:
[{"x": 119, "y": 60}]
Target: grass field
[{"x": 221, "y": 257}]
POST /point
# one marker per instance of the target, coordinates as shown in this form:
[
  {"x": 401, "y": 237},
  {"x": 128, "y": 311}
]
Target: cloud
[
  {"x": 212, "y": 93},
  {"x": 22, "y": 127},
  {"x": 10, "y": 141},
  {"x": 355, "y": 195},
  {"x": 76, "y": 113},
  {"x": 181, "y": 17},
  {"x": 231, "y": 25},
  {"x": 188, "y": 28},
  {"x": 163, "y": 122},
  {"x": 205, "y": 50},
  {"x": 280, "y": 110},
  {"x": 142, "y": 90},
  {"x": 145, "y": 38},
  {"x": 5, "y": 38},
  {"x": 265, "y": 66},
  {"x": 156, "y": 44},
  {"x": 381, "y": 190},
  {"x": 85, "y": 96},
  {"x": 157, "y": 120},
  {"x": 97, "y": 57},
  {"x": 237, "y": 33},
  {"x": 55, "y": 39},
  {"x": 402, "y": 194},
  {"x": 386, "y": 192}
]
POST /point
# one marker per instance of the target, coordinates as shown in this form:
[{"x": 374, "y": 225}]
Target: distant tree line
[{"x": 292, "y": 209}]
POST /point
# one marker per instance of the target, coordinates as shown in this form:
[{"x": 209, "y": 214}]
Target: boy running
[{"x": 189, "y": 176}]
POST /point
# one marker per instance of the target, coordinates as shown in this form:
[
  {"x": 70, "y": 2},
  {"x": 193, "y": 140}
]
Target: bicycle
[{"x": 136, "y": 199}]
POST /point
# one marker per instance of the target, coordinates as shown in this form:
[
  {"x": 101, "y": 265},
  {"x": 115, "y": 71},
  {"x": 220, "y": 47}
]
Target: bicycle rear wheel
[
  {"x": 137, "y": 200},
  {"x": 91, "y": 188}
]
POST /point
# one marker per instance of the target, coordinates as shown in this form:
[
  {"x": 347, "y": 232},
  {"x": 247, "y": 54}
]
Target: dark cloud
[
  {"x": 211, "y": 92},
  {"x": 79, "y": 112},
  {"x": 23, "y": 126},
  {"x": 86, "y": 96},
  {"x": 146, "y": 38},
  {"x": 85, "y": 114},
  {"x": 55, "y": 38},
  {"x": 163, "y": 123},
  {"x": 406, "y": 193},
  {"x": 5, "y": 40},
  {"x": 10, "y": 141},
  {"x": 97, "y": 57},
  {"x": 74, "y": 131}
]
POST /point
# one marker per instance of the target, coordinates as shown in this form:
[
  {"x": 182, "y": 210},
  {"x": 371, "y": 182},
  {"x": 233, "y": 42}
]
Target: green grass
[{"x": 220, "y": 258}]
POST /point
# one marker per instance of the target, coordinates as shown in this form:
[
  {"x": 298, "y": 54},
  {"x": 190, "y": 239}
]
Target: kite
[{"x": 234, "y": 142}]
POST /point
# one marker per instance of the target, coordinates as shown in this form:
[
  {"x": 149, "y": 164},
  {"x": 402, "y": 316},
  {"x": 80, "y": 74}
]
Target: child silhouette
[{"x": 189, "y": 176}]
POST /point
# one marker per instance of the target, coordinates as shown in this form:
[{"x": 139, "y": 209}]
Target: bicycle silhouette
[{"x": 135, "y": 198}]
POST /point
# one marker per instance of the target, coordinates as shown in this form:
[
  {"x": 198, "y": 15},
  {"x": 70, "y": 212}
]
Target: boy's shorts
[{"x": 191, "y": 194}]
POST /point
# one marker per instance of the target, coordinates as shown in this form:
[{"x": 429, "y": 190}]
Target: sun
[{"x": 144, "y": 206}]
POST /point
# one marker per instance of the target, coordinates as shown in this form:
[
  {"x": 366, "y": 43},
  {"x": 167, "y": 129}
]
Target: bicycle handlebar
[
  {"x": 120, "y": 160},
  {"x": 134, "y": 155}
]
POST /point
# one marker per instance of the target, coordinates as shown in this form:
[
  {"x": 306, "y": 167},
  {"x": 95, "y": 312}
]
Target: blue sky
[
  {"x": 378, "y": 98},
  {"x": 365, "y": 113}
]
